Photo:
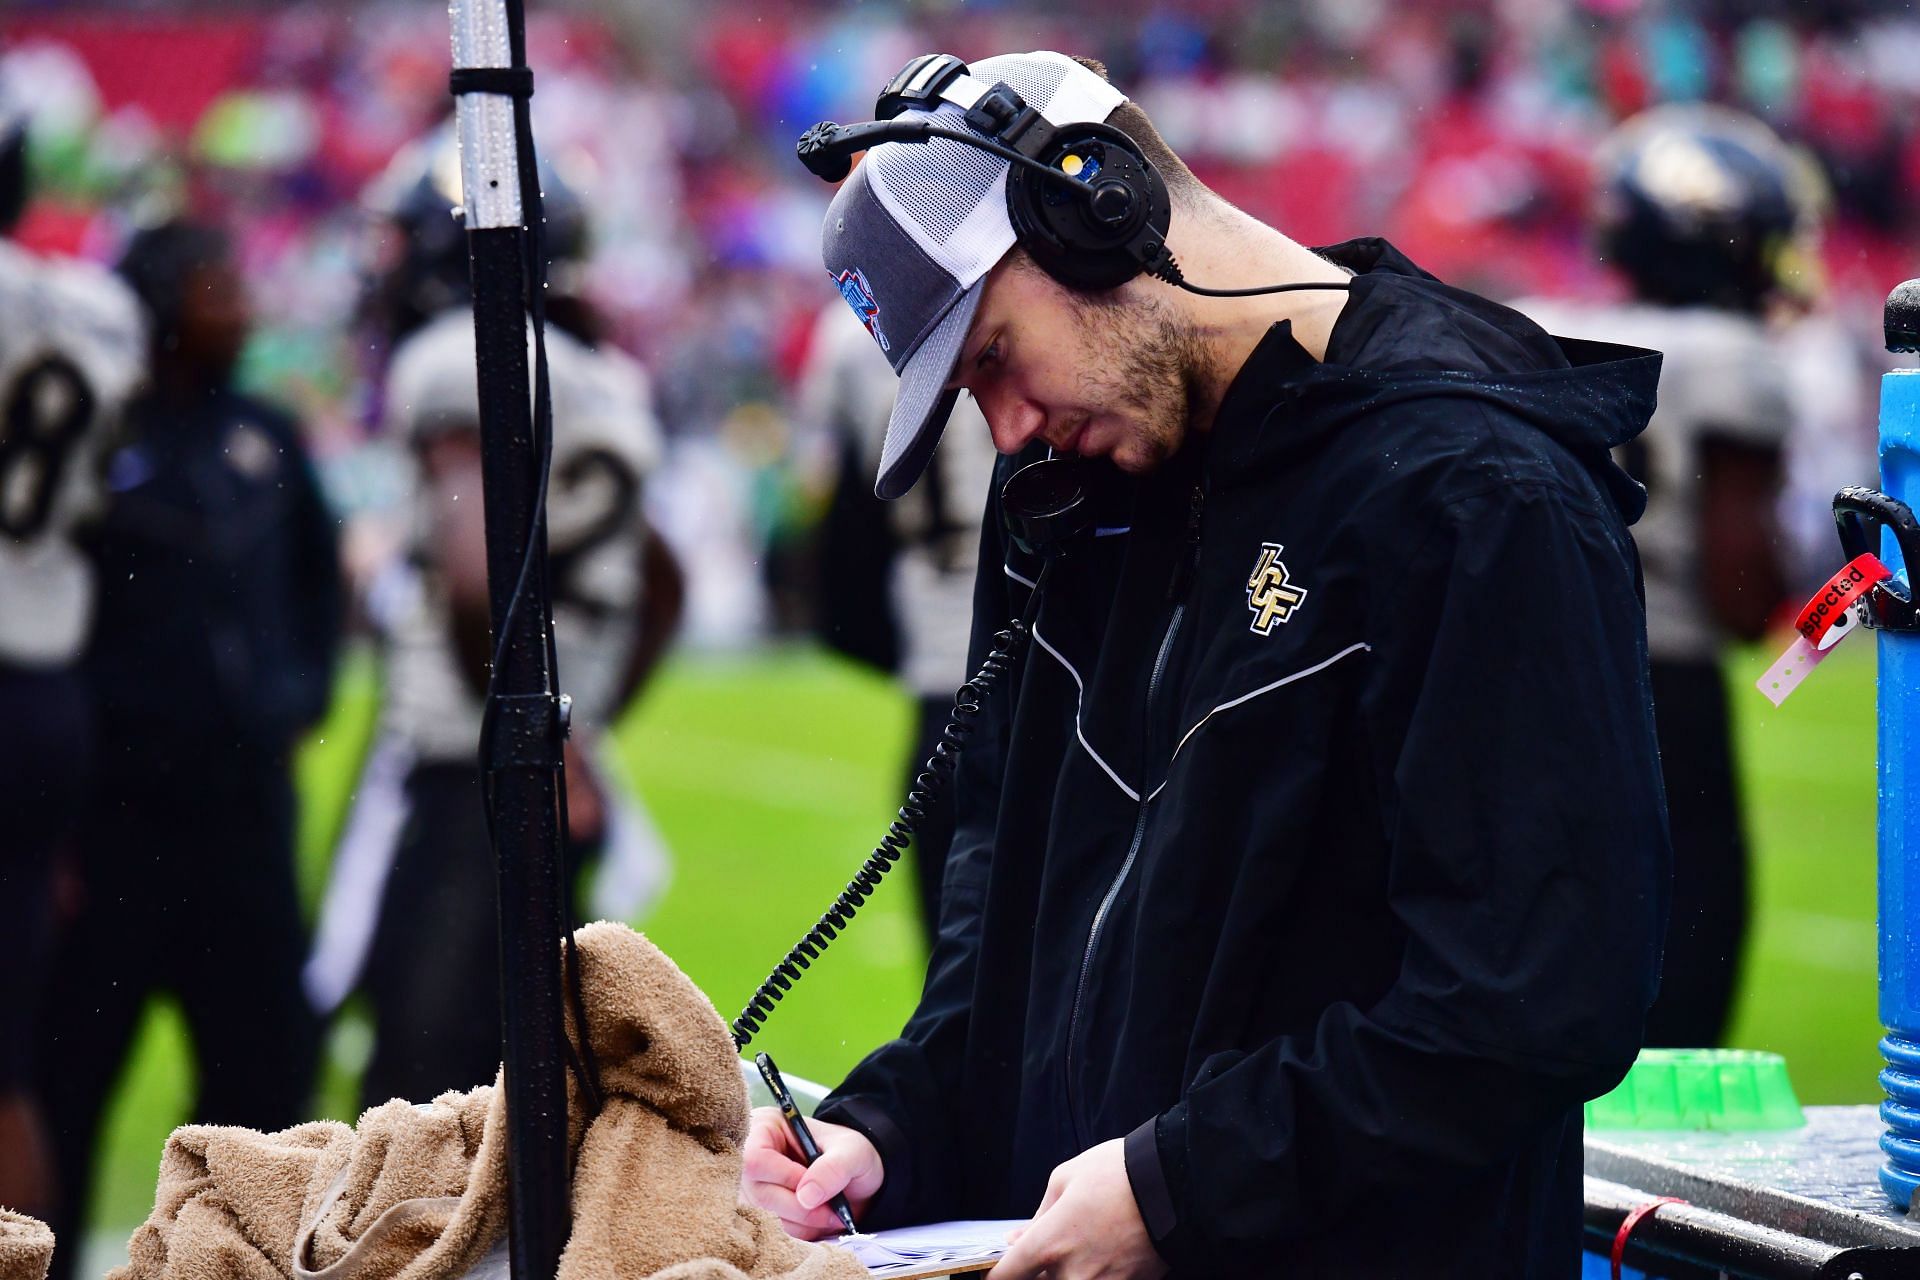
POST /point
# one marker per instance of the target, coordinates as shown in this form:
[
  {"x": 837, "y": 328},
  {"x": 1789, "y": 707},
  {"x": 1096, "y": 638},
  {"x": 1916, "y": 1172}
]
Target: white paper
[{"x": 905, "y": 1250}]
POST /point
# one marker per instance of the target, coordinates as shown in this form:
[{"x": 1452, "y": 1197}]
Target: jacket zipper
[{"x": 1182, "y": 576}]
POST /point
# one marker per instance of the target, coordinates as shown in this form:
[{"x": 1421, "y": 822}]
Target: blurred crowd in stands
[
  {"x": 1461, "y": 131},
  {"x": 223, "y": 156}
]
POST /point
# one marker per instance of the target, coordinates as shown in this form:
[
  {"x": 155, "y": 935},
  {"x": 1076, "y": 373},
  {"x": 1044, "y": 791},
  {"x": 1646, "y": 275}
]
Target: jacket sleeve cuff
[
  {"x": 889, "y": 1206},
  {"x": 1159, "y": 1170},
  {"x": 1149, "y": 1181}
]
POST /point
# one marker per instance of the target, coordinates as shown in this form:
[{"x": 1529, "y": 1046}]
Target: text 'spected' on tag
[{"x": 1823, "y": 614}]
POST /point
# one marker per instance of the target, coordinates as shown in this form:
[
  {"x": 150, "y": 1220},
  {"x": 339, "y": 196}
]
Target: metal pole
[
  {"x": 1686, "y": 1240},
  {"x": 522, "y": 749}
]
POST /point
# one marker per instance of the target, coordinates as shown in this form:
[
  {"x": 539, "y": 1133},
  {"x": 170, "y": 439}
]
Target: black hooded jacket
[{"x": 1323, "y": 857}]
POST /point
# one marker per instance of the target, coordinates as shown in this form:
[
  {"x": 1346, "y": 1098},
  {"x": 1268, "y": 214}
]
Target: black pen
[{"x": 801, "y": 1134}]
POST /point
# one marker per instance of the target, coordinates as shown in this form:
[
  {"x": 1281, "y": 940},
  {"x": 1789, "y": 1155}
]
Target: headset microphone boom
[{"x": 1086, "y": 203}]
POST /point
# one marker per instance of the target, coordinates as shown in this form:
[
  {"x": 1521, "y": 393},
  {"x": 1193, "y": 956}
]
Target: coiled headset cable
[{"x": 934, "y": 777}]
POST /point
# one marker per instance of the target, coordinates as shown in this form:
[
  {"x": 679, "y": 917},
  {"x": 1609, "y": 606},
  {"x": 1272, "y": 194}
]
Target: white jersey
[
  {"x": 1833, "y": 371},
  {"x": 1721, "y": 376},
  {"x": 849, "y": 388},
  {"x": 605, "y": 442},
  {"x": 73, "y": 349}
]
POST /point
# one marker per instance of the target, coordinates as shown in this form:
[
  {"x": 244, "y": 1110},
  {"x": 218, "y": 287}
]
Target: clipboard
[{"x": 977, "y": 1266}]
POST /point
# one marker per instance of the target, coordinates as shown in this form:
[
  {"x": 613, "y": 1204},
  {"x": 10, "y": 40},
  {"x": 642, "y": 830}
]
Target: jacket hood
[{"x": 1403, "y": 335}]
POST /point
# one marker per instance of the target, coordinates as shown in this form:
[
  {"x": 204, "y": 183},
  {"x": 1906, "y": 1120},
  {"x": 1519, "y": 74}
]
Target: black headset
[
  {"x": 1085, "y": 202},
  {"x": 1088, "y": 207}
]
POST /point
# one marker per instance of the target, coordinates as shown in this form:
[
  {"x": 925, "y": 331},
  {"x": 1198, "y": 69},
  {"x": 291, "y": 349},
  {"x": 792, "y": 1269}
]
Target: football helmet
[
  {"x": 1702, "y": 205},
  {"x": 422, "y": 269}
]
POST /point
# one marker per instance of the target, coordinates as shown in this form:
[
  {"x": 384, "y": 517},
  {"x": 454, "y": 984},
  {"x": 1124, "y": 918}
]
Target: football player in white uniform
[
  {"x": 1710, "y": 218},
  {"x": 72, "y": 350},
  {"x": 409, "y": 914}
]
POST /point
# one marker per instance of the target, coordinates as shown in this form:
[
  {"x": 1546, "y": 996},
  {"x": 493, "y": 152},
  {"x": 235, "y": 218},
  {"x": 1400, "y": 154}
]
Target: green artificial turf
[
  {"x": 1808, "y": 987},
  {"x": 772, "y": 776}
]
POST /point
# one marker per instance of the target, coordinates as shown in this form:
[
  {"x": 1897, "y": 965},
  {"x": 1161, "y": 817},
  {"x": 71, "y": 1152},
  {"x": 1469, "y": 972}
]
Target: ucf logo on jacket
[{"x": 1270, "y": 594}]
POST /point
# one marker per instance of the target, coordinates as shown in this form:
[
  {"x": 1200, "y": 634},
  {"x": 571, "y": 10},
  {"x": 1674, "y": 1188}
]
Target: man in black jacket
[
  {"x": 219, "y": 618},
  {"x": 1313, "y": 872}
]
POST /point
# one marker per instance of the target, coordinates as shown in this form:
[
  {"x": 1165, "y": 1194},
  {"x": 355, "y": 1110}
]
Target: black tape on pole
[{"x": 511, "y": 82}]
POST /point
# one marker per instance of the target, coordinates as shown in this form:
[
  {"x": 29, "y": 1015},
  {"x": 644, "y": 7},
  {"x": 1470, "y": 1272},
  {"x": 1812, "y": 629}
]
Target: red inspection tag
[
  {"x": 1631, "y": 1221},
  {"x": 1830, "y": 617},
  {"x": 1862, "y": 574}
]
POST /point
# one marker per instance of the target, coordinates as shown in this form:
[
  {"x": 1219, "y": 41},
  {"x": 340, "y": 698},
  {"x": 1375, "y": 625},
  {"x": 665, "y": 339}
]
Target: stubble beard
[{"x": 1160, "y": 365}]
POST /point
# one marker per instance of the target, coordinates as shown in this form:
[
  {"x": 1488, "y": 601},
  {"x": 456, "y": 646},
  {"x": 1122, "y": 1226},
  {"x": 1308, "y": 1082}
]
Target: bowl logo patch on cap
[{"x": 854, "y": 288}]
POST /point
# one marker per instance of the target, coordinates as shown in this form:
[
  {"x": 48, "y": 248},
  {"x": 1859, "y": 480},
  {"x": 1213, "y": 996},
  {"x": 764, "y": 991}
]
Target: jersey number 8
[{"x": 46, "y": 413}]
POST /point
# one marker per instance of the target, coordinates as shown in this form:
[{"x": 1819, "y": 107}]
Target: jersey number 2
[
  {"x": 47, "y": 411},
  {"x": 618, "y": 511}
]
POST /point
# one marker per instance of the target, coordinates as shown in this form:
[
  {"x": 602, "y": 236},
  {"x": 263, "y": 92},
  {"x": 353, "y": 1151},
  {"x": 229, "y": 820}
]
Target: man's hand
[
  {"x": 775, "y": 1177},
  {"x": 1088, "y": 1226}
]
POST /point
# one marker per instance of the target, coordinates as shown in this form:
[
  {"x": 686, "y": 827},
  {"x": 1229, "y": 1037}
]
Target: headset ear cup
[{"x": 1061, "y": 232}]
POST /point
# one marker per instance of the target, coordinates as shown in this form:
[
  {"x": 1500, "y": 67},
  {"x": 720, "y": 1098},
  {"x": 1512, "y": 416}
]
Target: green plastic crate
[{"x": 1729, "y": 1090}]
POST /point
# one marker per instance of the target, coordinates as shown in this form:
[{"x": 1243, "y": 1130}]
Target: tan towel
[
  {"x": 419, "y": 1191},
  {"x": 26, "y": 1247}
]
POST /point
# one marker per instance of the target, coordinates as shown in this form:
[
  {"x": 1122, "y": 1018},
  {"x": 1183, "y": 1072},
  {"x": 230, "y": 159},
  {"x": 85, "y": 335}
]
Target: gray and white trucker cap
[{"x": 914, "y": 230}]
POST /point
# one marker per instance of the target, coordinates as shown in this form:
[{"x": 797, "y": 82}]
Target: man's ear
[{"x": 1094, "y": 65}]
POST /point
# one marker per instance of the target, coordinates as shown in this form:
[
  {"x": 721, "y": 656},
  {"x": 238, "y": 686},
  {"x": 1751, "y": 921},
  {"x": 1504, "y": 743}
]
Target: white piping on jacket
[
  {"x": 1130, "y": 793},
  {"x": 1356, "y": 647}
]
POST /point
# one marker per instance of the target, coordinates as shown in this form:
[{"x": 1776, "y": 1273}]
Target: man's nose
[{"x": 1013, "y": 422}]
